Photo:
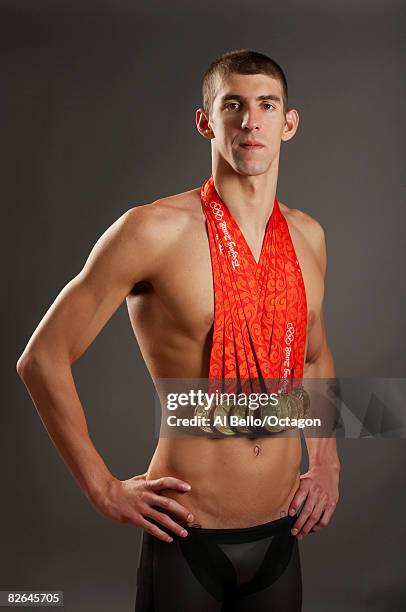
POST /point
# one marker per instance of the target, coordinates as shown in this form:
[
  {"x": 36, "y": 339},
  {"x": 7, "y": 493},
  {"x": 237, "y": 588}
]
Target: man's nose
[{"x": 250, "y": 121}]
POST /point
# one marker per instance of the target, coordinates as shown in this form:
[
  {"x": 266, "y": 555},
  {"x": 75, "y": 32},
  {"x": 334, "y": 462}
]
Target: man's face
[{"x": 248, "y": 109}]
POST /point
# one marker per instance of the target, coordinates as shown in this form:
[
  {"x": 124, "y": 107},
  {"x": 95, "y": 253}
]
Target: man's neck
[{"x": 249, "y": 199}]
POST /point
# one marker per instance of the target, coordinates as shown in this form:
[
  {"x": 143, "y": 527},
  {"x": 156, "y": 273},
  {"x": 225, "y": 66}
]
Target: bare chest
[{"x": 183, "y": 298}]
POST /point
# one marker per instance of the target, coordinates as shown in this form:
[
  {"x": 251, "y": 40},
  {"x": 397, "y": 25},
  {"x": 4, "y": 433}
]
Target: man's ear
[
  {"x": 203, "y": 124},
  {"x": 291, "y": 124}
]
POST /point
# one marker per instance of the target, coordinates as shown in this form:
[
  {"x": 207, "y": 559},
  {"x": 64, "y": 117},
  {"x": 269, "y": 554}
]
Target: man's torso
[{"x": 235, "y": 482}]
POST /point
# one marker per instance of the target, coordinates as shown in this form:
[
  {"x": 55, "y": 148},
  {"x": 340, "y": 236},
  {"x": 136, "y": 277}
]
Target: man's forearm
[
  {"x": 320, "y": 373},
  {"x": 52, "y": 388},
  {"x": 322, "y": 451}
]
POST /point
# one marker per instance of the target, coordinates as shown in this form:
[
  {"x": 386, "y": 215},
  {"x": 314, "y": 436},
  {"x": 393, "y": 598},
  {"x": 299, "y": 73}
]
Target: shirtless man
[{"x": 157, "y": 257}]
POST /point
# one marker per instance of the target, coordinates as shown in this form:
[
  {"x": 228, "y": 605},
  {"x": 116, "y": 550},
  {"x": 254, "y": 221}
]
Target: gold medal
[
  {"x": 200, "y": 411},
  {"x": 270, "y": 410},
  {"x": 221, "y": 412},
  {"x": 294, "y": 406},
  {"x": 283, "y": 405},
  {"x": 304, "y": 400},
  {"x": 241, "y": 412}
]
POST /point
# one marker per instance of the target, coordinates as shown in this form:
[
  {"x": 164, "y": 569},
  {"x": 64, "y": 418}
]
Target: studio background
[{"x": 98, "y": 107}]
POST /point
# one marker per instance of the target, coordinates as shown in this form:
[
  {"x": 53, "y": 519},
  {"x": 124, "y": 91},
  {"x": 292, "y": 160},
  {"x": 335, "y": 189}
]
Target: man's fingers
[
  {"x": 303, "y": 516},
  {"x": 328, "y": 511},
  {"x": 155, "y": 531},
  {"x": 169, "y": 504},
  {"x": 297, "y": 502},
  {"x": 299, "y": 499},
  {"x": 327, "y": 514},
  {"x": 168, "y": 482},
  {"x": 322, "y": 512},
  {"x": 166, "y": 520},
  {"x": 312, "y": 520}
]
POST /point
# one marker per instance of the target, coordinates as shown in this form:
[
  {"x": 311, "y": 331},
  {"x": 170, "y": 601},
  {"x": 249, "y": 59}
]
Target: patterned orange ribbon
[{"x": 260, "y": 313}]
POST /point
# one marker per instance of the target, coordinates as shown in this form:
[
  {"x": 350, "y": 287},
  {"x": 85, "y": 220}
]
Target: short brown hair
[{"x": 241, "y": 61}]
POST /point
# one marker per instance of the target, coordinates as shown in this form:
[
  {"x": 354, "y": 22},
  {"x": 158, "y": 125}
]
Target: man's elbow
[
  {"x": 42, "y": 357},
  {"x": 26, "y": 364},
  {"x": 33, "y": 363}
]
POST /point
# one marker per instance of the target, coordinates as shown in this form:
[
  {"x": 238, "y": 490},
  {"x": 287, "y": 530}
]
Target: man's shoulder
[
  {"x": 165, "y": 218},
  {"x": 308, "y": 226},
  {"x": 311, "y": 231},
  {"x": 167, "y": 206}
]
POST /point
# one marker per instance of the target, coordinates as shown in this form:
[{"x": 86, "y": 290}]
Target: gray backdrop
[{"x": 98, "y": 104}]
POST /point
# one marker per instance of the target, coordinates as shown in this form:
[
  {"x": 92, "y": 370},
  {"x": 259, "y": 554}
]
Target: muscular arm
[
  {"x": 317, "y": 494},
  {"x": 123, "y": 256},
  {"x": 119, "y": 259},
  {"x": 319, "y": 362},
  {"x": 319, "y": 367}
]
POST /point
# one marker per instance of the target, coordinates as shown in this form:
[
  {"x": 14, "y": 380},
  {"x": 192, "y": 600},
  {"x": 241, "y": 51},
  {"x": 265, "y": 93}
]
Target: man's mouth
[{"x": 251, "y": 145}]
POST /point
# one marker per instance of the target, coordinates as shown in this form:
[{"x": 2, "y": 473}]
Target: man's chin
[{"x": 249, "y": 169}]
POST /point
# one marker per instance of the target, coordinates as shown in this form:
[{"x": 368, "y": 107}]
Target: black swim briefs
[{"x": 221, "y": 570}]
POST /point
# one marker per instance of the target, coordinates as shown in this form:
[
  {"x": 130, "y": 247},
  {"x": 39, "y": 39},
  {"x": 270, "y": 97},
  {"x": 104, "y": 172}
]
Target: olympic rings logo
[
  {"x": 290, "y": 333},
  {"x": 217, "y": 210}
]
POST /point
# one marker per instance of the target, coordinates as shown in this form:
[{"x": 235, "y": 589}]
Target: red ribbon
[{"x": 260, "y": 313}]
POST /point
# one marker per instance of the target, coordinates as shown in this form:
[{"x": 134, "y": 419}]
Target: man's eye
[
  {"x": 269, "y": 105},
  {"x": 231, "y": 104}
]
